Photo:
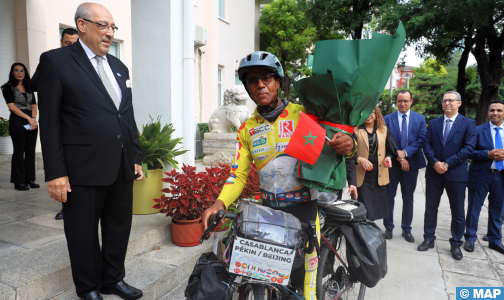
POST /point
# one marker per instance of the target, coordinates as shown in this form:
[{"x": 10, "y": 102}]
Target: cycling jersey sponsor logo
[
  {"x": 281, "y": 197},
  {"x": 284, "y": 114},
  {"x": 289, "y": 196},
  {"x": 229, "y": 181},
  {"x": 312, "y": 263},
  {"x": 297, "y": 195},
  {"x": 280, "y": 147},
  {"x": 306, "y": 195},
  {"x": 263, "y": 157},
  {"x": 259, "y": 141},
  {"x": 232, "y": 175},
  {"x": 259, "y": 130},
  {"x": 261, "y": 150},
  {"x": 286, "y": 128},
  {"x": 234, "y": 167}
]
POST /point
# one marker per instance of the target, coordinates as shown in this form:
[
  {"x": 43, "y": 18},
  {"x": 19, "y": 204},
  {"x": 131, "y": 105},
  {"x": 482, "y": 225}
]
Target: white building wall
[{"x": 7, "y": 47}]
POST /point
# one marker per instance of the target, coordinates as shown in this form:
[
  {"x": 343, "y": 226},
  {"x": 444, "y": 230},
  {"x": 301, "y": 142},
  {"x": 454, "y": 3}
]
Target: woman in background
[
  {"x": 22, "y": 104},
  {"x": 374, "y": 157}
]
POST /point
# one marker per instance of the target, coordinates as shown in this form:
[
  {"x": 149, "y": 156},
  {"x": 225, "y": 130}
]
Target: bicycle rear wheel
[{"x": 332, "y": 276}]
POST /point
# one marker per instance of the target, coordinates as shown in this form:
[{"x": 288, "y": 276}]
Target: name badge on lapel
[{"x": 128, "y": 83}]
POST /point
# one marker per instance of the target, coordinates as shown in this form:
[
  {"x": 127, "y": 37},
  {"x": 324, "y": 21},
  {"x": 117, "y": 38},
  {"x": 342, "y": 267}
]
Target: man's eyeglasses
[
  {"x": 103, "y": 27},
  {"x": 448, "y": 100},
  {"x": 252, "y": 82}
]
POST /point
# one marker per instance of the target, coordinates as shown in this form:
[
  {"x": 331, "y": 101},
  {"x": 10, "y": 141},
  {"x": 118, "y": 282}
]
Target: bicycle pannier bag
[
  {"x": 366, "y": 252},
  {"x": 210, "y": 280}
]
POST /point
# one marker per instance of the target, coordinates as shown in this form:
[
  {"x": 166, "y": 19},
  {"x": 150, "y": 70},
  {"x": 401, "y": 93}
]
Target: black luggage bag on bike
[
  {"x": 366, "y": 251},
  {"x": 210, "y": 280}
]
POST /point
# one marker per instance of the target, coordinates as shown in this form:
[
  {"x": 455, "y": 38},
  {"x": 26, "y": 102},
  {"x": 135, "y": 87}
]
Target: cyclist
[{"x": 263, "y": 139}]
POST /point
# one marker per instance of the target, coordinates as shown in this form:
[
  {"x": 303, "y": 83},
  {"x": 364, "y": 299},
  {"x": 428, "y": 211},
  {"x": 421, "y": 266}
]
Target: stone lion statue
[{"x": 233, "y": 112}]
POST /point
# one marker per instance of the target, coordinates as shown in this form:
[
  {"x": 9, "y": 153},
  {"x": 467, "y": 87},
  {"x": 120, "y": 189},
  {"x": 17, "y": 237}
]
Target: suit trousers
[
  {"x": 24, "y": 142},
  {"x": 86, "y": 207},
  {"x": 408, "y": 180},
  {"x": 456, "y": 196},
  {"x": 493, "y": 184}
]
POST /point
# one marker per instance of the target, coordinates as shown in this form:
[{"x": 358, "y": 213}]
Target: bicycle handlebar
[{"x": 308, "y": 228}]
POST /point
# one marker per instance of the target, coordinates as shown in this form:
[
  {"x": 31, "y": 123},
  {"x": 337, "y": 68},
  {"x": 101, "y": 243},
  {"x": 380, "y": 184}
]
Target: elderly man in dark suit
[
  {"x": 486, "y": 175},
  {"x": 449, "y": 142},
  {"x": 91, "y": 151},
  {"x": 408, "y": 129}
]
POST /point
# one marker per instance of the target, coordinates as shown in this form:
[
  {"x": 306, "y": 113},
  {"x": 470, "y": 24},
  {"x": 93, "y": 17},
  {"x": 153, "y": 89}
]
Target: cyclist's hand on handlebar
[{"x": 212, "y": 210}]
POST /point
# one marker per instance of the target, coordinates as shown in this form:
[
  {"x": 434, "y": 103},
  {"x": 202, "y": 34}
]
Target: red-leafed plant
[{"x": 190, "y": 193}]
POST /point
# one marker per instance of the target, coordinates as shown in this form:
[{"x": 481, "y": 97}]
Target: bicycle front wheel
[
  {"x": 333, "y": 279},
  {"x": 253, "y": 291}
]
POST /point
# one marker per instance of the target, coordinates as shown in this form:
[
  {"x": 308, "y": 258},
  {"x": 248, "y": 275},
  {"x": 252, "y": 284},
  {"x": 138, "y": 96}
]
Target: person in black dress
[
  {"x": 374, "y": 156},
  {"x": 22, "y": 104}
]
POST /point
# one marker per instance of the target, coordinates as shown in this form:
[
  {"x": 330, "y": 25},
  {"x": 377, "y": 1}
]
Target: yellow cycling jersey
[{"x": 264, "y": 143}]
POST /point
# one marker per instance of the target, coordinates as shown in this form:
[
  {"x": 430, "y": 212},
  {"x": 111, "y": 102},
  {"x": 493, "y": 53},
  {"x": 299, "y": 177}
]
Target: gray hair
[
  {"x": 459, "y": 98},
  {"x": 82, "y": 12}
]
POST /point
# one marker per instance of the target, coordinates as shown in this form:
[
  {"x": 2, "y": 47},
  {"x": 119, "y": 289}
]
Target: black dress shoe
[
  {"x": 408, "y": 236},
  {"x": 469, "y": 246},
  {"x": 21, "y": 187},
  {"x": 456, "y": 253},
  {"x": 426, "y": 245},
  {"x": 485, "y": 238},
  {"x": 123, "y": 290},
  {"x": 497, "y": 247},
  {"x": 388, "y": 234},
  {"x": 94, "y": 295},
  {"x": 59, "y": 216},
  {"x": 33, "y": 185}
]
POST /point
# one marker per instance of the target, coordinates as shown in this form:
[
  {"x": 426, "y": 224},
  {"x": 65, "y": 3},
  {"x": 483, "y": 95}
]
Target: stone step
[
  {"x": 160, "y": 273},
  {"x": 39, "y": 272}
]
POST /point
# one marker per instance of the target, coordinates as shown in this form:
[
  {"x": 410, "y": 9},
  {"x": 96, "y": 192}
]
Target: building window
[
  {"x": 115, "y": 49},
  {"x": 221, "y": 9},
  {"x": 219, "y": 87},
  {"x": 406, "y": 75},
  {"x": 237, "y": 79}
]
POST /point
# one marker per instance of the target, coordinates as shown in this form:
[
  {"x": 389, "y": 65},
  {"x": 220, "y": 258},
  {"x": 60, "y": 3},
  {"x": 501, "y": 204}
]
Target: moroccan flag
[{"x": 307, "y": 141}]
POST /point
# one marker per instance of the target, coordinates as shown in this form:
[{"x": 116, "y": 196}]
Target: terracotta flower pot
[{"x": 186, "y": 233}]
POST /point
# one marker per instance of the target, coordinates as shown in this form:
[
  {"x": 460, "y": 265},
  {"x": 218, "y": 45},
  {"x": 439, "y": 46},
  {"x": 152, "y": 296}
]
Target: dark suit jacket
[
  {"x": 458, "y": 148},
  {"x": 416, "y": 137},
  {"x": 480, "y": 164},
  {"x": 81, "y": 131}
]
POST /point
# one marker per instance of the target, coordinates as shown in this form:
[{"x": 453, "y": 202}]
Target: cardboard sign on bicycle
[{"x": 261, "y": 261}]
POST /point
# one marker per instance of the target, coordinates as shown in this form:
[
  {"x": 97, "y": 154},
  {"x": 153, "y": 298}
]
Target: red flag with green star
[{"x": 307, "y": 141}]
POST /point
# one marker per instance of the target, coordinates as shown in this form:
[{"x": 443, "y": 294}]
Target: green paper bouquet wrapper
[{"x": 347, "y": 82}]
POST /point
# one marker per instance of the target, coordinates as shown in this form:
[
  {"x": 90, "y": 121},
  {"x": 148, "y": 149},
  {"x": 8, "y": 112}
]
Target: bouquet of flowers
[{"x": 347, "y": 82}]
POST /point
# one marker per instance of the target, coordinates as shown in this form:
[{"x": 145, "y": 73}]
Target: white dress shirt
[
  {"x": 106, "y": 67},
  {"x": 453, "y": 122},
  {"x": 399, "y": 119},
  {"x": 492, "y": 134}
]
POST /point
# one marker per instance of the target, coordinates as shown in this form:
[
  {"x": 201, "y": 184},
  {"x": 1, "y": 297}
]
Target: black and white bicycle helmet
[{"x": 260, "y": 59}]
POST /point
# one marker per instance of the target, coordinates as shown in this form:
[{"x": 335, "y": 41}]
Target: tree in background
[
  {"x": 440, "y": 28},
  {"x": 286, "y": 33},
  {"x": 346, "y": 16}
]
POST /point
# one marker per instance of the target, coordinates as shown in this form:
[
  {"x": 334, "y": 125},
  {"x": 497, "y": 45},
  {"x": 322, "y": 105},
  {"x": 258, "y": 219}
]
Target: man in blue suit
[
  {"x": 408, "y": 129},
  {"x": 486, "y": 175},
  {"x": 449, "y": 142}
]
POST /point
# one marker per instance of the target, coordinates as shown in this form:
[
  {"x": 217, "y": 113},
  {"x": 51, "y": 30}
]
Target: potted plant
[
  {"x": 5, "y": 139},
  {"x": 158, "y": 150},
  {"x": 189, "y": 194}
]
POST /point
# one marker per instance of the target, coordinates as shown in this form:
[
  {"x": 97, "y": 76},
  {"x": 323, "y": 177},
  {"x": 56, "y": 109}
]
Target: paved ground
[{"x": 412, "y": 274}]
